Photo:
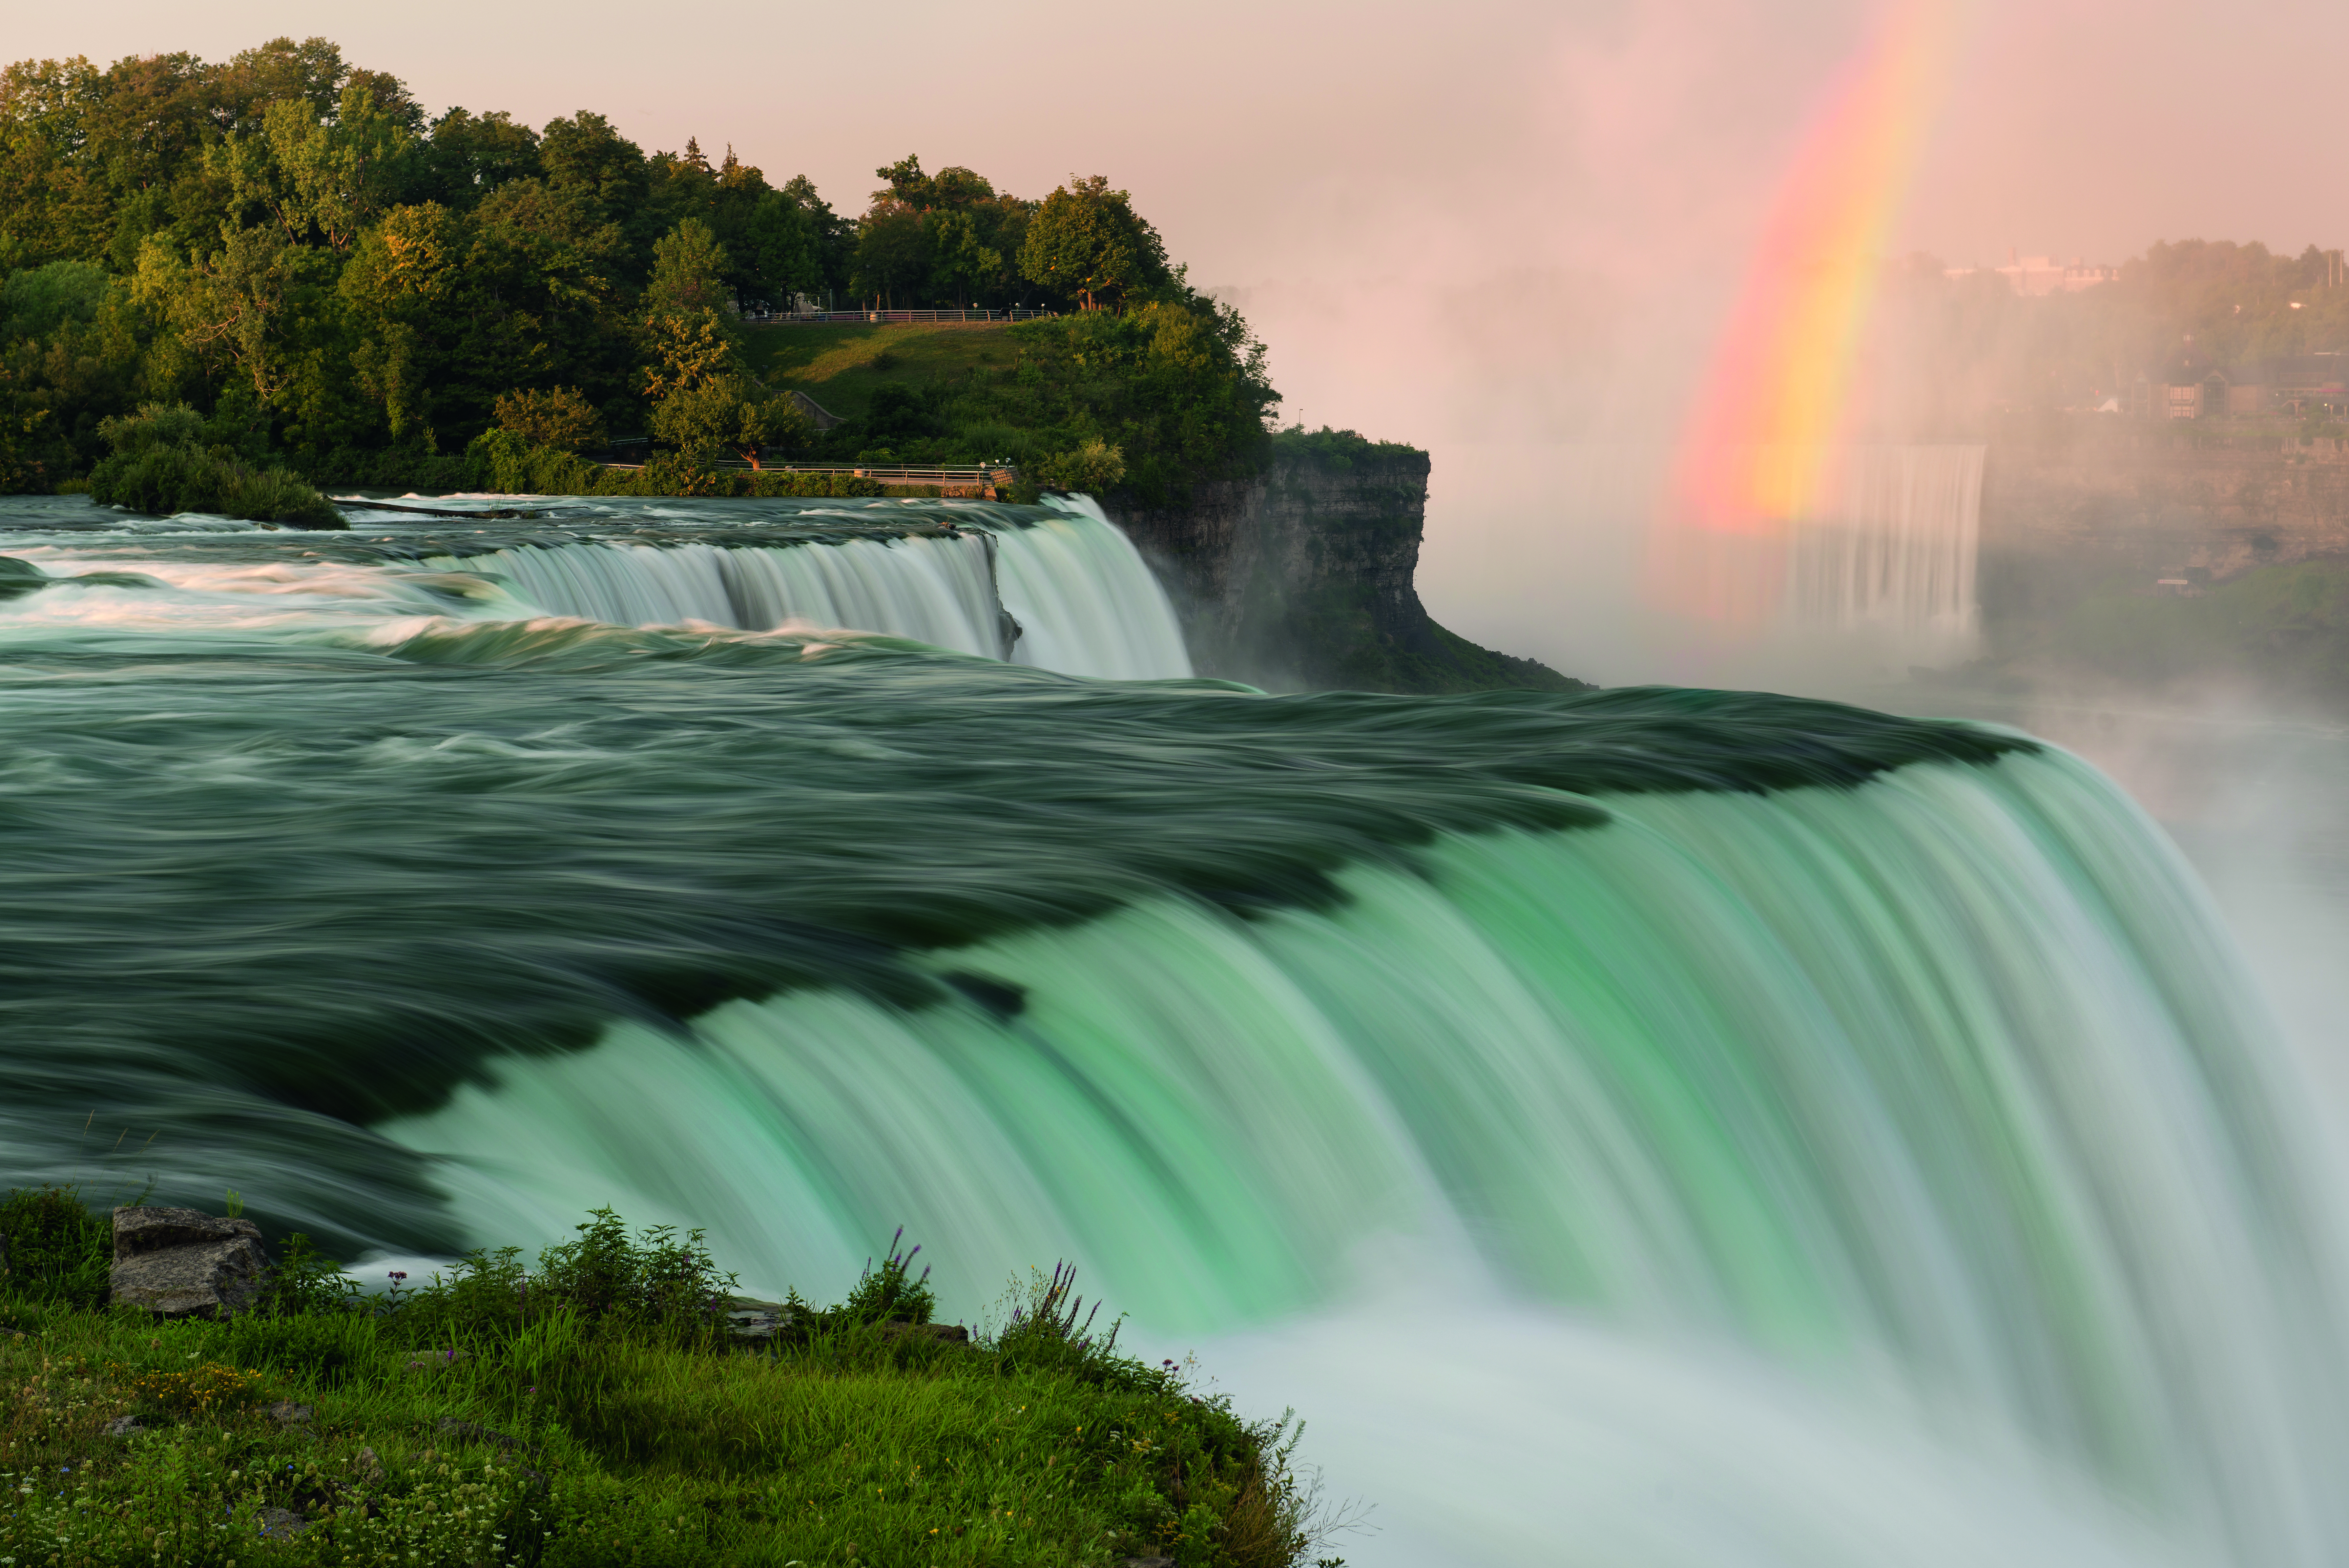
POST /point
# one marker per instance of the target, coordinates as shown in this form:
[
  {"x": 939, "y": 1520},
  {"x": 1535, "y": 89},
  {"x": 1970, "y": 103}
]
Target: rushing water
[{"x": 1652, "y": 1128}]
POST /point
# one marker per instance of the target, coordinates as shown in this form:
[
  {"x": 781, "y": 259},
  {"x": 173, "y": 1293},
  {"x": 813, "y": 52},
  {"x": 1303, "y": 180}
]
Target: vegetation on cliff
[
  {"x": 599, "y": 1409},
  {"x": 343, "y": 287}
]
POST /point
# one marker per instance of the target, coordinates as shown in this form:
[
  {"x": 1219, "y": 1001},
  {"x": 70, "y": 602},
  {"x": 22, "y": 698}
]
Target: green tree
[
  {"x": 1087, "y": 242},
  {"x": 728, "y": 413},
  {"x": 689, "y": 269},
  {"x": 558, "y": 416}
]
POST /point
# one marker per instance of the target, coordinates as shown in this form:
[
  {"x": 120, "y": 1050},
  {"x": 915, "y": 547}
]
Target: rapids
[{"x": 1656, "y": 1127}]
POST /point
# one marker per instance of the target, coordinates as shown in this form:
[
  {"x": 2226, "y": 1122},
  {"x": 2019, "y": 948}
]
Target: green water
[{"x": 1900, "y": 1055}]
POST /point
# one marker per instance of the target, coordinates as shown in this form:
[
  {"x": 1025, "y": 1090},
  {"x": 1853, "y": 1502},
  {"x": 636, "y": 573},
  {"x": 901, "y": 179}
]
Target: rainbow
[{"x": 1754, "y": 455}]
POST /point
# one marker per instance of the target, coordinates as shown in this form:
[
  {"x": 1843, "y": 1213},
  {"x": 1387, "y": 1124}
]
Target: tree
[
  {"x": 689, "y": 269},
  {"x": 1086, "y": 241},
  {"x": 730, "y": 413},
  {"x": 558, "y": 417},
  {"x": 961, "y": 268},
  {"x": 891, "y": 255}
]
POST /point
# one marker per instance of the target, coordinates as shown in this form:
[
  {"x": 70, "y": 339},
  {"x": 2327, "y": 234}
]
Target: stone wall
[{"x": 2156, "y": 508}]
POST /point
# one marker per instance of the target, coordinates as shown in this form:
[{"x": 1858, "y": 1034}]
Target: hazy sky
[
  {"x": 1488, "y": 187},
  {"x": 1481, "y": 226}
]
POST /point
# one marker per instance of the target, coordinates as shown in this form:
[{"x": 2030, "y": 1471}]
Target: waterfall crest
[
  {"x": 1080, "y": 599},
  {"x": 1948, "y": 1076}
]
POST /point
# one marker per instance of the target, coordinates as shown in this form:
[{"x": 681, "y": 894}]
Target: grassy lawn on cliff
[
  {"x": 599, "y": 1411},
  {"x": 841, "y": 365}
]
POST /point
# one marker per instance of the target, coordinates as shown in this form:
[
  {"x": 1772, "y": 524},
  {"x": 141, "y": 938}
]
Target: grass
[
  {"x": 839, "y": 365},
  {"x": 596, "y": 1411},
  {"x": 2285, "y": 628}
]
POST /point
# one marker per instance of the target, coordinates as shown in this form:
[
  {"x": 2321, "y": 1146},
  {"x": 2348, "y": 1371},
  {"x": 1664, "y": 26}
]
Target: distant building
[
  {"x": 2035, "y": 276},
  {"x": 2290, "y": 386}
]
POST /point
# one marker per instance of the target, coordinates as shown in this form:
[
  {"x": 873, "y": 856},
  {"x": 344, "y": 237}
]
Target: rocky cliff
[
  {"x": 2155, "y": 506},
  {"x": 1301, "y": 577}
]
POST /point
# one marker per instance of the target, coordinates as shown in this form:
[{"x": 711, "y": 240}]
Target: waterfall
[
  {"x": 1936, "y": 1077},
  {"x": 1080, "y": 600},
  {"x": 1891, "y": 547},
  {"x": 1661, "y": 1128}
]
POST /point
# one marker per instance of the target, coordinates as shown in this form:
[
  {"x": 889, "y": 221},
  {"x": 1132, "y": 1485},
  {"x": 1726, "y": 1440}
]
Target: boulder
[
  {"x": 282, "y": 1524},
  {"x": 758, "y": 1325},
  {"x": 183, "y": 1263}
]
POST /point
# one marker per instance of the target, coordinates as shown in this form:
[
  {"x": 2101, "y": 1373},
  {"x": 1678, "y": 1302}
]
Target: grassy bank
[
  {"x": 599, "y": 1409},
  {"x": 840, "y": 367},
  {"x": 2283, "y": 629}
]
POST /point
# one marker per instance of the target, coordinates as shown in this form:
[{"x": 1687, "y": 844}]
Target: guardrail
[
  {"x": 888, "y": 317},
  {"x": 974, "y": 477}
]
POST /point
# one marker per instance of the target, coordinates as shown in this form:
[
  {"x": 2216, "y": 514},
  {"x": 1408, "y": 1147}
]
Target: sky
[
  {"x": 1440, "y": 216},
  {"x": 1485, "y": 226}
]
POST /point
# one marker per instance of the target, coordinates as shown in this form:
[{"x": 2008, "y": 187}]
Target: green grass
[
  {"x": 475, "y": 1423},
  {"x": 839, "y": 365},
  {"x": 2285, "y": 628}
]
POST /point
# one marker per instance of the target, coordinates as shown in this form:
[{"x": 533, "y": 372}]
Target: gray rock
[
  {"x": 182, "y": 1262},
  {"x": 138, "y": 1231},
  {"x": 123, "y": 1426},
  {"x": 286, "y": 1412},
  {"x": 1147, "y": 1562},
  {"x": 760, "y": 1324},
  {"x": 282, "y": 1524}
]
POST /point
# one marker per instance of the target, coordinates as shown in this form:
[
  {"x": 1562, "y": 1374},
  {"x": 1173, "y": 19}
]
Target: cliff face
[
  {"x": 1301, "y": 578},
  {"x": 2156, "y": 508}
]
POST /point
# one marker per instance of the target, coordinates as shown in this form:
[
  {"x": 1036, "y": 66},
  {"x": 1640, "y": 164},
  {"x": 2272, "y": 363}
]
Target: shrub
[
  {"x": 157, "y": 466},
  {"x": 54, "y": 1250}
]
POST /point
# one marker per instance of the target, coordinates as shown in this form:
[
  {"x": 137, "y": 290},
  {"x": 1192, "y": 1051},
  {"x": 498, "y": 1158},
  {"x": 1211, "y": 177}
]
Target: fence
[
  {"x": 892, "y": 318},
  {"x": 977, "y": 477}
]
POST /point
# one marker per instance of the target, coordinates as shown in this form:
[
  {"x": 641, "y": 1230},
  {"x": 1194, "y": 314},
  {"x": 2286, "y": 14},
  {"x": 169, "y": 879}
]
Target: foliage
[
  {"x": 1327, "y": 451},
  {"x": 492, "y": 1416},
  {"x": 159, "y": 467},
  {"x": 1087, "y": 239},
  {"x": 558, "y": 416},
  {"x": 345, "y": 289},
  {"x": 2285, "y": 628},
  {"x": 53, "y": 1249}
]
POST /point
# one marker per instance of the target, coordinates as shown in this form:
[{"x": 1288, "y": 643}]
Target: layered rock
[
  {"x": 183, "y": 1263},
  {"x": 1301, "y": 577}
]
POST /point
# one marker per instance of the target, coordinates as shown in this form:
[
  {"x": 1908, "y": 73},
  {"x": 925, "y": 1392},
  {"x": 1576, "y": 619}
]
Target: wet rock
[
  {"x": 756, "y": 1324},
  {"x": 183, "y": 1263},
  {"x": 282, "y": 1524}
]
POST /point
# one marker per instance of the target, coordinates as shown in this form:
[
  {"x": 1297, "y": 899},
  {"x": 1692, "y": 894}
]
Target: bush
[
  {"x": 157, "y": 467},
  {"x": 561, "y": 419},
  {"x": 53, "y": 1249},
  {"x": 562, "y": 1418}
]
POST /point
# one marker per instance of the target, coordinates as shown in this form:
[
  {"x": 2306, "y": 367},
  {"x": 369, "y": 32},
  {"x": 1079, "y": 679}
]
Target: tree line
[
  {"x": 1960, "y": 349},
  {"x": 287, "y": 245}
]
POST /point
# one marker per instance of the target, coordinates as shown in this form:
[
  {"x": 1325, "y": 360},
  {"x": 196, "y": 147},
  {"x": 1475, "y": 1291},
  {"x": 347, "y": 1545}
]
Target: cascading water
[
  {"x": 1803, "y": 1135},
  {"x": 1892, "y": 548}
]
